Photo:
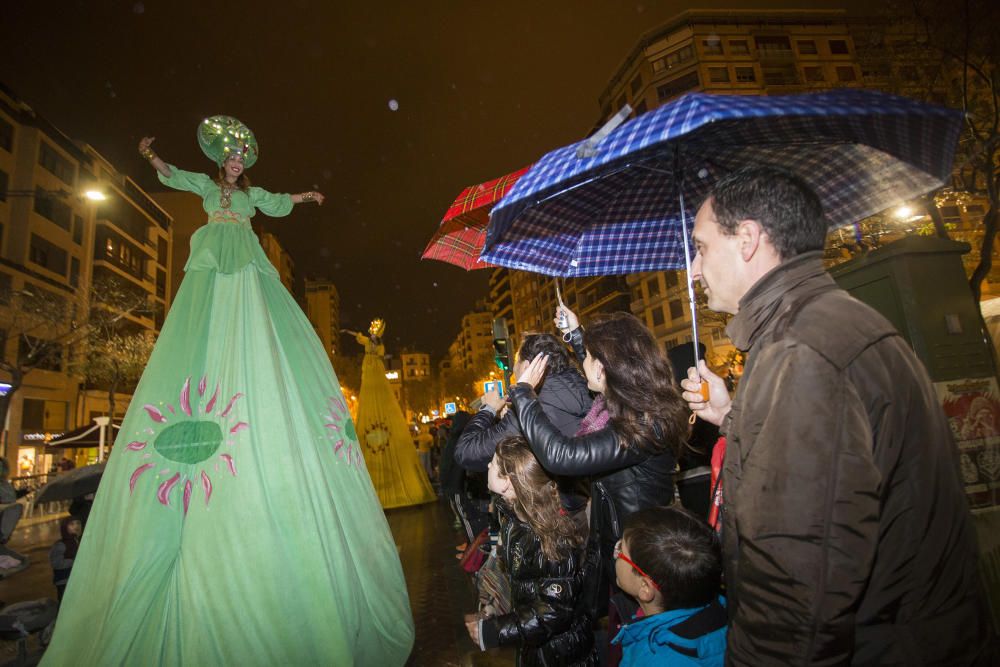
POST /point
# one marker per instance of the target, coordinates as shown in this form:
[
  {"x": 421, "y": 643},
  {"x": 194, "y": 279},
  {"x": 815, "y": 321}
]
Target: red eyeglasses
[{"x": 618, "y": 554}]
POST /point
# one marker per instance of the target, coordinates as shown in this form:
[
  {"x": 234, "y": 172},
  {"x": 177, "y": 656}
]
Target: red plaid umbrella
[{"x": 460, "y": 237}]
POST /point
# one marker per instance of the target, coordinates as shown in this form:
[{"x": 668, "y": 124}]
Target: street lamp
[{"x": 91, "y": 194}]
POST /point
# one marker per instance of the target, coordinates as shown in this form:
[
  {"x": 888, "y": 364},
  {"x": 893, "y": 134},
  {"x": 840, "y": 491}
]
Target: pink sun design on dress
[
  {"x": 341, "y": 427},
  {"x": 189, "y": 438}
]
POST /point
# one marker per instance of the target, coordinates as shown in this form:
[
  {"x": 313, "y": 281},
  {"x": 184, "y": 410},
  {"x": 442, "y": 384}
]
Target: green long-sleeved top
[{"x": 227, "y": 243}]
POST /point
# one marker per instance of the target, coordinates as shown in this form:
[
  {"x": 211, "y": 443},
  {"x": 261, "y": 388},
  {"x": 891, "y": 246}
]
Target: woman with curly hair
[
  {"x": 627, "y": 445},
  {"x": 542, "y": 546}
]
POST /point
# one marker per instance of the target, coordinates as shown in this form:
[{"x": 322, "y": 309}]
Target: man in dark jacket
[
  {"x": 846, "y": 533},
  {"x": 563, "y": 396}
]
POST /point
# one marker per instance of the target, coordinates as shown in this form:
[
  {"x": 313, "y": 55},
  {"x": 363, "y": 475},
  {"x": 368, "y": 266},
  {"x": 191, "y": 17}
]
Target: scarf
[{"x": 596, "y": 418}]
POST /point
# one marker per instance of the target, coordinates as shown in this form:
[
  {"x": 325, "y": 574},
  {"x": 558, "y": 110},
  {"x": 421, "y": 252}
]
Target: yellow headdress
[{"x": 377, "y": 327}]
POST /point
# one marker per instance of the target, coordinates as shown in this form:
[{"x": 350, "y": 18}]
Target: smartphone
[{"x": 490, "y": 386}]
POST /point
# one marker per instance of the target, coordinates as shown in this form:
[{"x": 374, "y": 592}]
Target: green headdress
[{"x": 222, "y": 136}]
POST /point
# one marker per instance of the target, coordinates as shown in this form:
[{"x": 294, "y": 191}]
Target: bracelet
[
  {"x": 307, "y": 196},
  {"x": 148, "y": 153}
]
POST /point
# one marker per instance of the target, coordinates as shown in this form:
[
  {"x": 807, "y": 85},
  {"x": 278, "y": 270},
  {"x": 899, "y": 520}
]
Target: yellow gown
[{"x": 390, "y": 455}]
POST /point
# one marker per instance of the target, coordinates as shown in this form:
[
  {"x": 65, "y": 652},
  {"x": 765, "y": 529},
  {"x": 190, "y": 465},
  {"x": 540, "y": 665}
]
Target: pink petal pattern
[
  {"x": 154, "y": 413},
  {"x": 163, "y": 493},
  {"x": 337, "y": 447},
  {"x": 333, "y": 427},
  {"x": 206, "y": 484},
  {"x": 135, "y": 476},
  {"x": 187, "y": 496},
  {"x": 136, "y": 445},
  {"x": 240, "y": 426},
  {"x": 229, "y": 462},
  {"x": 171, "y": 408},
  {"x": 202, "y": 385},
  {"x": 211, "y": 401},
  {"x": 186, "y": 397},
  {"x": 229, "y": 407}
]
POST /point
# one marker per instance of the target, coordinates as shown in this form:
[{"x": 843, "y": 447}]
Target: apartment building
[
  {"x": 55, "y": 245},
  {"x": 323, "y": 310}
]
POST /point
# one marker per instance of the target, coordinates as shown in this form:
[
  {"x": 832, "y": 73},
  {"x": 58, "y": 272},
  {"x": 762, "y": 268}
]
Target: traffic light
[{"x": 501, "y": 353}]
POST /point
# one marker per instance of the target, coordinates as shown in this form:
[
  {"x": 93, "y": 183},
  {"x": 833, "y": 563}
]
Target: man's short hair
[
  {"x": 786, "y": 207},
  {"x": 679, "y": 551}
]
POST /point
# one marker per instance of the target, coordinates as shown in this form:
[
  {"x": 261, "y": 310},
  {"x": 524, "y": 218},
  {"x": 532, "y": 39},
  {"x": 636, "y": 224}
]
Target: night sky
[{"x": 481, "y": 88}]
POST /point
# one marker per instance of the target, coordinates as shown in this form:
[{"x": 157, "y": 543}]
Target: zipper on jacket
[{"x": 616, "y": 532}]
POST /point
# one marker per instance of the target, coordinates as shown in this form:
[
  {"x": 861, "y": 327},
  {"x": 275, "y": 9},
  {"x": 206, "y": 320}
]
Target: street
[{"x": 440, "y": 593}]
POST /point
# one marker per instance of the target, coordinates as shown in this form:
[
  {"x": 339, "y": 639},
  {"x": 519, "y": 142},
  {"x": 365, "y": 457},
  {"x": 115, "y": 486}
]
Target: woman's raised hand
[
  {"x": 145, "y": 143},
  {"x": 535, "y": 371},
  {"x": 565, "y": 319}
]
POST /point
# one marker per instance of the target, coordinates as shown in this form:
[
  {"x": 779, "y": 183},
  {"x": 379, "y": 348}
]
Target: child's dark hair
[{"x": 679, "y": 551}]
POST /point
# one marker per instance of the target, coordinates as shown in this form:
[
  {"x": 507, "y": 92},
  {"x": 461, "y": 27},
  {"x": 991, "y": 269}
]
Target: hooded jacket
[
  {"x": 677, "y": 638},
  {"x": 846, "y": 532},
  {"x": 563, "y": 397}
]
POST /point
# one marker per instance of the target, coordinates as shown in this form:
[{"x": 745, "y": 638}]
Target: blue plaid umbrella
[{"x": 619, "y": 208}]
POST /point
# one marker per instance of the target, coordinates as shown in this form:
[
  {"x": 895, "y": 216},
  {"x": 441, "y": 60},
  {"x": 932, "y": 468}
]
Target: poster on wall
[{"x": 973, "y": 409}]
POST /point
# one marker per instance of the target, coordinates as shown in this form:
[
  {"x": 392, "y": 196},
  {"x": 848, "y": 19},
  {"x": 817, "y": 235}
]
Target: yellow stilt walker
[{"x": 392, "y": 460}]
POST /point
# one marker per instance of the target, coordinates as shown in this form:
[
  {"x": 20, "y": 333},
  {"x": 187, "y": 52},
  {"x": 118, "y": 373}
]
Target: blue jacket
[{"x": 654, "y": 640}]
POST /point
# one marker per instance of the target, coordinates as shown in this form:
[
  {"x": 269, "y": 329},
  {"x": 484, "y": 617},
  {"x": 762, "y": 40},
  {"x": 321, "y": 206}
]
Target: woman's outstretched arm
[
  {"x": 307, "y": 197},
  {"x": 147, "y": 152}
]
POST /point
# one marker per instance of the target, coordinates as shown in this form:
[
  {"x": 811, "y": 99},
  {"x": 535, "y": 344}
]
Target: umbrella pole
[{"x": 690, "y": 283}]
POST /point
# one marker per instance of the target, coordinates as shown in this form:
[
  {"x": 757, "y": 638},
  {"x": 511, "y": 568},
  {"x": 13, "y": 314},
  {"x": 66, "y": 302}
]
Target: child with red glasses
[{"x": 669, "y": 561}]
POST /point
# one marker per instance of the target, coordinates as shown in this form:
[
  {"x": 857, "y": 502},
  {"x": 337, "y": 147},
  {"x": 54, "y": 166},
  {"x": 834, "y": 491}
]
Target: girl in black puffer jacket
[
  {"x": 542, "y": 548},
  {"x": 627, "y": 445}
]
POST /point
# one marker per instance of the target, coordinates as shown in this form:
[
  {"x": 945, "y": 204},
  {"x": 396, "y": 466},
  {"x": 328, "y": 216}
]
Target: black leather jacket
[
  {"x": 622, "y": 480},
  {"x": 564, "y": 399},
  {"x": 545, "y": 624}
]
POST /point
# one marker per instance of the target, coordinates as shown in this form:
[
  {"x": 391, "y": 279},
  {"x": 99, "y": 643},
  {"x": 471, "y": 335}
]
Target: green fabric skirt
[{"x": 236, "y": 523}]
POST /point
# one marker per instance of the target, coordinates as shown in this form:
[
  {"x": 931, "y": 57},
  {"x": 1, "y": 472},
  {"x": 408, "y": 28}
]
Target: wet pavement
[{"x": 440, "y": 592}]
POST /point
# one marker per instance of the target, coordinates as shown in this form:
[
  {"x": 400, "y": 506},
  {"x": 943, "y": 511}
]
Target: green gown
[
  {"x": 236, "y": 522},
  {"x": 395, "y": 468}
]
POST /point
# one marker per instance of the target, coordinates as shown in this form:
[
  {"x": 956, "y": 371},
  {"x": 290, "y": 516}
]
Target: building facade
[
  {"x": 323, "y": 311},
  {"x": 415, "y": 366},
  {"x": 473, "y": 346},
  {"x": 501, "y": 299},
  {"x": 56, "y": 247},
  {"x": 752, "y": 52},
  {"x": 133, "y": 249},
  {"x": 279, "y": 257}
]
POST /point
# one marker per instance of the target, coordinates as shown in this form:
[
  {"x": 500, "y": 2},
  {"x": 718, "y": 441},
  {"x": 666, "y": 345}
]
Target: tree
[
  {"x": 348, "y": 370},
  {"x": 48, "y": 331},
  {"x": 117, "y": 349},
  {"x": 43, "y": 325},
  {"x": 459, "y": 382},
  {"x": 421, "y": 395},
  {"x": 115, "y": 361},
  {"x": 958, "y": 49}
]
